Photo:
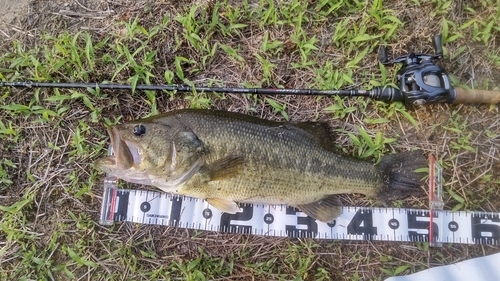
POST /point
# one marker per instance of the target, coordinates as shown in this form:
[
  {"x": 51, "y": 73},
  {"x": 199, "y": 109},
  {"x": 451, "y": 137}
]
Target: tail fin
[{"x": 399, "y": 176}]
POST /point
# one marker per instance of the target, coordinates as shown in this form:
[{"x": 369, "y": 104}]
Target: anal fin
[
  {"x": 325, "y": 210},
  {"x": 224, "y": 205}
]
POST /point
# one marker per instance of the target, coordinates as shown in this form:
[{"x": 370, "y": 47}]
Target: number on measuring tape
[
  {"x": 175, "y": 210},
  {"x": 120, "y": 205},
  {"x": 305, "y": 226},
  {"x": 362, "y": 224},
  {"x": 485, "y": 228},
  {"x": 237, "y": 223},
  {"x": 418, "y": 226}
]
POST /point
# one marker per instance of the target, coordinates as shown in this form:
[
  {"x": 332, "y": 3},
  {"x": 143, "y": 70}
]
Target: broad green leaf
[
  {"x": 378, "y": 138},
  {"x": 88, "y": 103},
  {"x": 409, "y": 118},
  {"x": 133, "y": 80},
  {"x": 334, "y": 107},
  {"x": 347, "y": 79},
  {"x": 365, "y": 136},
  {"x": 422, "y": 170},
  {"x": 237, "y": 25},
  {"x": 354, "y": 139},
  {"x": 401, "y": 268},
  {"x": 457, "y": 207},
  {"x": 193, "y": 264},
  {"x": 16, "y": 107},
  {"x": 275, "y": 105},
  {"x": 393, "y": 19},
  {"x": 358, "y": 58},
  {"x": 369, "y": 152},
  {"x": 58, "y": 98},
  {"x": 456, "y": 196},
  {"x": 389, "y": 140}
]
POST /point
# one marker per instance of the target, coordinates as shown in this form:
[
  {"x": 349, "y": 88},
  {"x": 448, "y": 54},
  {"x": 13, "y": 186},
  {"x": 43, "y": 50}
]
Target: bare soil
[{"x": 12, "y": 10}]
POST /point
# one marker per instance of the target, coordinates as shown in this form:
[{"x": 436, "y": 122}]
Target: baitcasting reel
[{"x": 420, "y": 80}]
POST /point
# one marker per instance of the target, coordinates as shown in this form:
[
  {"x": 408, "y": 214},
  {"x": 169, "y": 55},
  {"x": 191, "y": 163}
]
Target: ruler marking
[
  {"x": 394, "y": 227},
  {"x": 144, "y": 213},
  {"x": 452, "y": 232}
]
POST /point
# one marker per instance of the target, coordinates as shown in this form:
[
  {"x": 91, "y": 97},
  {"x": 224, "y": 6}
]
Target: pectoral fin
[
  {"x": 224, "y": 168},
  {"x": 224, "y": 205},
  {"x": 325, "y": 210}
]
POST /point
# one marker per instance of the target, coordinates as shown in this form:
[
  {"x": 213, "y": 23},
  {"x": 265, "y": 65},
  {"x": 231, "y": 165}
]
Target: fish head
[{"x": 140, "y": 148}]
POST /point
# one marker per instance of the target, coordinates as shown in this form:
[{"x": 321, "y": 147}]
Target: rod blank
[{"x": 184, "y": 88}]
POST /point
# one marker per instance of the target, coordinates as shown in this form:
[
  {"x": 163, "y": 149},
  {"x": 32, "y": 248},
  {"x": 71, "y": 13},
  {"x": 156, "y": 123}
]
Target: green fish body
[{"x": 226, "y": 157}]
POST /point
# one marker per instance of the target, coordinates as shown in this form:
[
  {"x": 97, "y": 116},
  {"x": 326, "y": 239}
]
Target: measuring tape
[{"x": 356, "y": 223}]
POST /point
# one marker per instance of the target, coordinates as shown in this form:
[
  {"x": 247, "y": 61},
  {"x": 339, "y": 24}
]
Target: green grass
[{"x": 50, "y": 194}]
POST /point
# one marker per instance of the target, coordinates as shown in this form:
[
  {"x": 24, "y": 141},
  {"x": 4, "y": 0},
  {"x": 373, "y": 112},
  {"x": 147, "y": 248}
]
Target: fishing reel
[{"x": 420, "y": 80}]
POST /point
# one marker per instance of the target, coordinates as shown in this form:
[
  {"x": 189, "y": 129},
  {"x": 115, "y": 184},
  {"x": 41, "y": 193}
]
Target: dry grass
[{"x": 49, "y": 163}]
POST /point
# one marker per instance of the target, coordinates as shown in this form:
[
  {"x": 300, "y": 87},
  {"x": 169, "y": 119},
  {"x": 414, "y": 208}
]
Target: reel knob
[
  {"x": 438, "y": 46},
  {"x": 382, "y": 55}
]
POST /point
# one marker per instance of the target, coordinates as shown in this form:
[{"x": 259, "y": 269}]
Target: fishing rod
[
  {"x": 420, "y": 81},
  {"x": 379, "y": 93}
]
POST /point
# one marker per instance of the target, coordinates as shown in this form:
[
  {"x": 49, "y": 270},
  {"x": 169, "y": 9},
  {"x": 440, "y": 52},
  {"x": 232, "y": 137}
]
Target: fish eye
[{"x": 139, "y": 130}]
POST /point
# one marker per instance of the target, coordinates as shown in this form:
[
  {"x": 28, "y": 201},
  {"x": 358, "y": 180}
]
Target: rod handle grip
[{"x": 476, "y": 96}]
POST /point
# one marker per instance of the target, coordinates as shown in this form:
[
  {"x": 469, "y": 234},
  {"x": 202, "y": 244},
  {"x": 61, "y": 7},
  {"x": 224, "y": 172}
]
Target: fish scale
[{"x": 275, "y": 172}]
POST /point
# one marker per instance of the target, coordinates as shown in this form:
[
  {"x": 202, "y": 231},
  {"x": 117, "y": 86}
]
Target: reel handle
[
  {"x": 475, "y": 96},
  {"x": 438, "y": 46},
  {"x": 382, "y": 55}
]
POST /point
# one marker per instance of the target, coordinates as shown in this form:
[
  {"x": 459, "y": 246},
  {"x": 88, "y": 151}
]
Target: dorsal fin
[{"x": 318, "y": 132}]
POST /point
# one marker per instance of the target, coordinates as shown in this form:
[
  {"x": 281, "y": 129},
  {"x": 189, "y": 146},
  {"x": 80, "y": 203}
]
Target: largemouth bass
[{"x": 225, "y": 158}]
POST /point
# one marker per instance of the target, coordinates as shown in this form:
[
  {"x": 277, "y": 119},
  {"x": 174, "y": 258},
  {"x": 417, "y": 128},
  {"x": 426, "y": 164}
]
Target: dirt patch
[
  {"x": 25, "y": 20},
  {"x": 12, "y": 11}
]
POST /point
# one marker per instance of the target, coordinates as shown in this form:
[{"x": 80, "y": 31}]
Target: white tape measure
[{"x": 356, "y": 223}]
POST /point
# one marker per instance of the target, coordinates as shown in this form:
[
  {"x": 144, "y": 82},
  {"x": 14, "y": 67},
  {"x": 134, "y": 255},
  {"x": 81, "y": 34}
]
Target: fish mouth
[{"x": 125, "y": 153}]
